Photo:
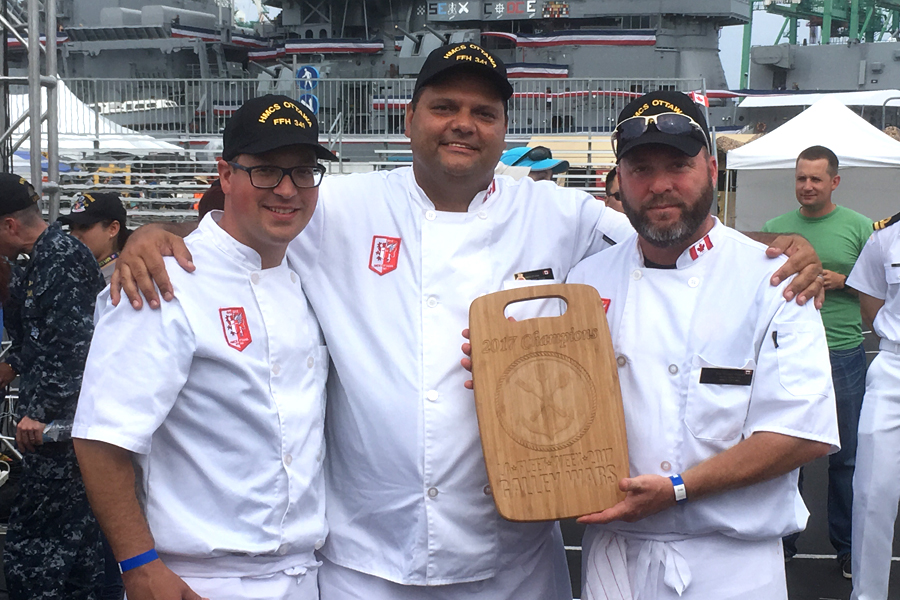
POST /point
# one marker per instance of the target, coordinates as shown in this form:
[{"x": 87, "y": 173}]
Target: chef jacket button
[
  {"x": 310, "y": 362},
  {"x": 276, "y": 369},
  {"x": 694, "y": 282},
  {"x": 293, "y": 278},
  {"x": 487, "y": 490},
  {"x": 432, "y": 395},
  {"x": 254, "y": 277},
  {"x": 432, "y": 492},
  {"x": 288, "y": 459},
  {"x": 432, "y": 302},
  {"x": 282, "y": 549},
  {"x": 482, "y": 215},
  {"x": 673, "y": 369},
  {"x": 621, "y": 360},
  {"x": 665, "y": 466},
  {"x": 636, "y": 274},
  {"x": 431, "y": 215},
  {"x": 319, "y": 543}
]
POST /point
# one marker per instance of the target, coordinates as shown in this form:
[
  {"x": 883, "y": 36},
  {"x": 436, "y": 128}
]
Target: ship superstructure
[{"x": 548, "y": 39}]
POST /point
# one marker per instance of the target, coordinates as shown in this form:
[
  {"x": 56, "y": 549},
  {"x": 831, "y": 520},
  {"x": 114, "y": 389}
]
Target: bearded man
[{"x": 726, "y": 385}]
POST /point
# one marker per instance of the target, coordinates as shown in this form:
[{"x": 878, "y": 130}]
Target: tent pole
[{"x": 727, "y": 191}]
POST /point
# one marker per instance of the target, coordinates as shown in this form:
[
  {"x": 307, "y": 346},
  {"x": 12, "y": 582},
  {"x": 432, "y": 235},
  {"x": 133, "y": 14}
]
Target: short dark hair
[
  {"x": 610, "y": 176},
  {"x": 121, "y": 237},
  {"x": 819, "y": 153}
]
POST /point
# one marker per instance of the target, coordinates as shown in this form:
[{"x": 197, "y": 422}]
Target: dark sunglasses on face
[
  {"x": 537, "y": 154},
  {"x": 670, "y": 122}
]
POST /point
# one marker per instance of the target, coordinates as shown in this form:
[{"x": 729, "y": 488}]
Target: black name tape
[
  {"x": 726, "y": 376},
  {"x": 534, "y": 275}
]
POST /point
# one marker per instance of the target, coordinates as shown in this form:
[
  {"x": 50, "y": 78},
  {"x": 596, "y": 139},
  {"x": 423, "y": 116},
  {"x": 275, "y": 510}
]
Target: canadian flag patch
[
  {"x": 384, "y": 255},
  {"x": 234, "y": 324},
  {"x": 701, "y": 247},
  {"x": 606, "y": 302}
]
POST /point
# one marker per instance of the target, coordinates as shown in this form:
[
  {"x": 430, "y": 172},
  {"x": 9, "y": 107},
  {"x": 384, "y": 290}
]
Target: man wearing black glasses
[
  {"x": 726, "y": 385},
  {"x": 219, "y": 396}
]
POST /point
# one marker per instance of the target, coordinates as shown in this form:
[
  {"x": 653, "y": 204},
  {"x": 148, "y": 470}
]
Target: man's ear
[
  {"x": 713, "y": 169},
  {"x": 9, "y": 225},
  {"x": 835, "y": 181},
  {"x": 225, "y": 173},
  {"x": 409, "y": 115}
]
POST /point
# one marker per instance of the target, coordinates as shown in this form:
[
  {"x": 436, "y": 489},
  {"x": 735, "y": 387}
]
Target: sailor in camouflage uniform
[{"x": 53, "y": 545}]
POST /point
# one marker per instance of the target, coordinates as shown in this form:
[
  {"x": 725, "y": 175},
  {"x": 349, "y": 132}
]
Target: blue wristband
[
  {"x": 138, "y": 561},
  {"x": 680, "y": 492}
]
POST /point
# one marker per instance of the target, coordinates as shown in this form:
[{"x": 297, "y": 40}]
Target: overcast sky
[{"x": 765, "y": 28}]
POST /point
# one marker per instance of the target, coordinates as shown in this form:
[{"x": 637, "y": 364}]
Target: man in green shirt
[{"x": 838, "y": 235}]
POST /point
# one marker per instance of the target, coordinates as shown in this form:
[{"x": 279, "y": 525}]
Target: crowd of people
[{"x": 290, "y": 416}]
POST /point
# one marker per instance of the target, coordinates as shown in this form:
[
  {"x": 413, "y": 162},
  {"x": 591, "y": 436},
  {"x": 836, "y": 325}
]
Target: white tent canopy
[
  {"x": 869, "y": 165},
  {"x": 867, "y": 98},
  {"x": 80, "y": 127}
]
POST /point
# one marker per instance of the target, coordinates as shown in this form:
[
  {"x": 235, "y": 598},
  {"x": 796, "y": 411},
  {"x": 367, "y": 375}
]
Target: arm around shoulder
[{"x": 140, "y": 264}]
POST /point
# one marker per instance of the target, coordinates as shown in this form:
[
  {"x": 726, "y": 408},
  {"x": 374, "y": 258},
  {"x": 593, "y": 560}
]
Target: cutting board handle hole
[{"x": 530, "y": 308}]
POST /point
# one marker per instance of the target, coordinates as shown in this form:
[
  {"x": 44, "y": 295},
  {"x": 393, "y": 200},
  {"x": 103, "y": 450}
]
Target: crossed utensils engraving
[{"x": 542, "y": 388}]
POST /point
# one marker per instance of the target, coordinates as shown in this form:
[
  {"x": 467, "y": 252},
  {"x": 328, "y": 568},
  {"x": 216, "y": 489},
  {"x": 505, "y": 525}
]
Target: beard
[{"x": 672, "y": 234}]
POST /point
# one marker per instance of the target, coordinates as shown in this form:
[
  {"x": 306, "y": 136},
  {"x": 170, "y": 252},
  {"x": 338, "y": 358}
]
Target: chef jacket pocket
[
  {"x": 892, "y": 269},
  {"x": 529, "y": 309},
  {"x": 794, "y": 343},
  {"x": 718, "y": 399}
]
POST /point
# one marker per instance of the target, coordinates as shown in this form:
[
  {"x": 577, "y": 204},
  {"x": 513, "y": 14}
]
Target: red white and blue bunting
[
  {"x": 185, "y": 31},
  {"x": 537, "y": 70},
  {"x": 13, "y": 43},
  {"x": 333, "y": 46},
  {"x": 580, "y": 37}
]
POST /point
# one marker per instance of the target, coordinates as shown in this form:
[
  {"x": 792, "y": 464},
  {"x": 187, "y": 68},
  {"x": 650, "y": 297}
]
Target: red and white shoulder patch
[
  {"x": 235, "y": 327},
  {"x": 385, "y": 254}
]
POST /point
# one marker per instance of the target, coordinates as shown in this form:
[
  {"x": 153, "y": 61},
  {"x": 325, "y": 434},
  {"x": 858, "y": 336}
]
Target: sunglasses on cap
[
  {"x": 671, "y": 123},
  {"x": 536, "y": 154}
]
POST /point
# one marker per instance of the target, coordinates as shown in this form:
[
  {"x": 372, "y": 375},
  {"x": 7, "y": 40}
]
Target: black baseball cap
[
  {"x": 271, "y": 122},
  {"x": 690, "y": 142},
  {"x": 16, "y": 194},
  {"x": 464, "y": 55},
  {"x": 95, "y": 207}
]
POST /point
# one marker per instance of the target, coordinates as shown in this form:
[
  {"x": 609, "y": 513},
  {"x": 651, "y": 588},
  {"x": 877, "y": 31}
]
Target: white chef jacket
[
  {"x": 877, "y": 273},
  {"x": 220, "y": 395},
  {"x": 391, "y": 280},
  {"x": 718, "y": 311}
]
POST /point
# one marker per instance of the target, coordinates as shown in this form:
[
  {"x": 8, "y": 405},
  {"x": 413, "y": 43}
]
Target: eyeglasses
[
  {"x": 266, "y": 177},
  {"x": 669, "y": 122},
  {"x": 537, "y": 154},
  {"x": 614, "y": 195}
]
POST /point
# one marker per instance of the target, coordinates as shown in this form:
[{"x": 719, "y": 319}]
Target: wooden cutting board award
[{"x": 549, "y": 405}]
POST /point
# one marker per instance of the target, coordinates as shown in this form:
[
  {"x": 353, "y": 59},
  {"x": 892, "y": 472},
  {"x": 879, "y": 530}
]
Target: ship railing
[
  {"x": 162, "y": 158},
  {"x": 362, "y": 106}
]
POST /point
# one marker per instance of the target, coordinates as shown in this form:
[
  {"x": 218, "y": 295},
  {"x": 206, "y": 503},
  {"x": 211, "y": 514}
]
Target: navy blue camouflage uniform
[{"x": 53, "y": 546}]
